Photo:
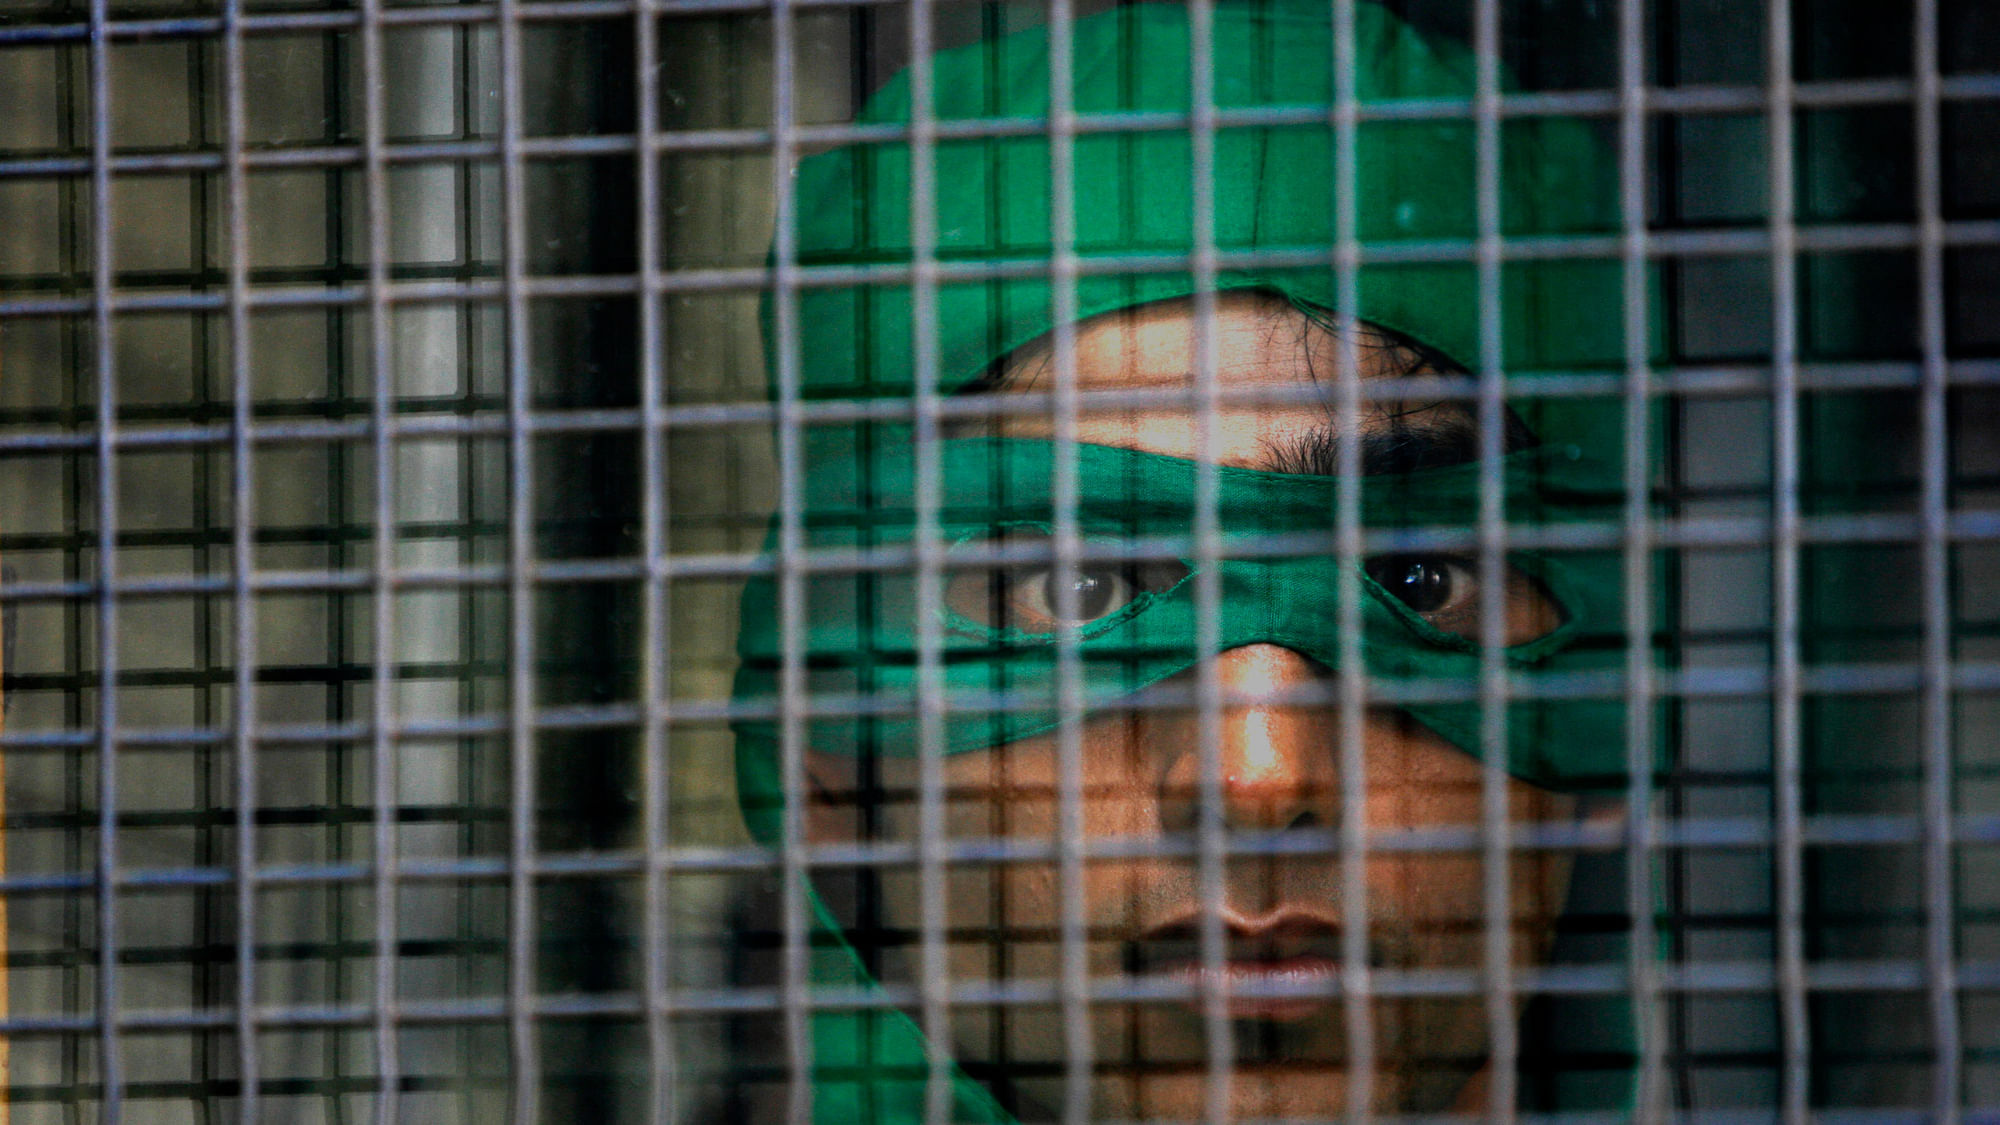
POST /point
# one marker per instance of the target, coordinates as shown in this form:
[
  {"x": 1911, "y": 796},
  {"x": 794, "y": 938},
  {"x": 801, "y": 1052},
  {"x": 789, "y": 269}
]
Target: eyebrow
[{"x": 1401, "y": 448}]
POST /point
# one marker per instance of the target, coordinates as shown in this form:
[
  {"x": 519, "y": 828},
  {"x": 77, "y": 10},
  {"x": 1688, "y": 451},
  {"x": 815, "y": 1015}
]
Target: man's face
[{"x": 1282, "y": 915}]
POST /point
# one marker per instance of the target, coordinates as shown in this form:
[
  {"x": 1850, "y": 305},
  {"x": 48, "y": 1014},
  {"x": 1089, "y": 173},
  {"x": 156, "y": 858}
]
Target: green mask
[{"x": 1136, "y": 617}]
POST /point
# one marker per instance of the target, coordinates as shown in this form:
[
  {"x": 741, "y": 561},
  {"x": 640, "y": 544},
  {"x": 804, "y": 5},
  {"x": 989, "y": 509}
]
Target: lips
[{"x": 1278, "y": 967}]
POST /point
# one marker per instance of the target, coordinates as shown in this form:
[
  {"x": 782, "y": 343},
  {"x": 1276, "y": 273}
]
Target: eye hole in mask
[
  {"x": 1444, "y": 591},
  {"x": 1028, "y": 598}
]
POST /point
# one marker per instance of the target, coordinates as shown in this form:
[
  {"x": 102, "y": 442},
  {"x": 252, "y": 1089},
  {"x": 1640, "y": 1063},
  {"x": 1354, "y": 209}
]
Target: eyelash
[{"x": 992, "y": 599}]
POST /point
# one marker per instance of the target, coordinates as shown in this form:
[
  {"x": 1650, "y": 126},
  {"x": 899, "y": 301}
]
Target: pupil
[
  {"x": 1093, "y": 595},
  {"x": 1421, "y": 585}
]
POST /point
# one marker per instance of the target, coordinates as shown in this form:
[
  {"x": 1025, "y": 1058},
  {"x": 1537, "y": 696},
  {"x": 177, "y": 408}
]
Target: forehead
[{"x": 1277, "y": 371}]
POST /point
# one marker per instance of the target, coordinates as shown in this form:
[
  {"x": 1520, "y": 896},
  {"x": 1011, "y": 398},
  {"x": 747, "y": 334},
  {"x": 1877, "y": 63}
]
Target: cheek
[
  {"x": 1014, "y": 793},
  {"x": 1007, "y": 794},
  {"x": 1420, "y": 783},
  {"x": 1440, "y": 901}
]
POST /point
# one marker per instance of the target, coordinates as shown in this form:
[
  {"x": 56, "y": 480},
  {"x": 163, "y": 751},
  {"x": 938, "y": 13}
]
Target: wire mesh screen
[{"x": 686, "y": 560}]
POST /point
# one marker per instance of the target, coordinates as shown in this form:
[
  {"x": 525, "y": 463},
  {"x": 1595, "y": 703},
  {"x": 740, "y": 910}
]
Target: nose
[{"x": 1276, "y": 754}]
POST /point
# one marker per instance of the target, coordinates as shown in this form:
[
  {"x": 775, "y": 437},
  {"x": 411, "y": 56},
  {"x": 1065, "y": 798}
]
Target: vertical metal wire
[
  {"x": 1493, "y": 681},
  {"x": 1787, "y": 746},
  {"x": 206, "y": 651},
  {"x": 1356, "y": 984},
  {"x": 662, "y": 1060},
  {"x": 1940, "y": 959},
  {"x": 520, "y": 587},
  {"x": 109, "y": 1005},
  {"x": 1079, "y": 1055},
  {"x": 791, "y": 582},
  {"x": 236, "y": 205},
  {"x": 382, "y": 454},
  {"x": 76, "y": 626},
  {"x": 934, "y": 971},
  {"x": 383, "y": 796},
  {"x": 1641, "y": 958},
  {"x": 1212, "y": 835}
]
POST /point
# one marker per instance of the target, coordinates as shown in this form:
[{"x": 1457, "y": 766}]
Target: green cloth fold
[{"x": 1274, "y": 198}]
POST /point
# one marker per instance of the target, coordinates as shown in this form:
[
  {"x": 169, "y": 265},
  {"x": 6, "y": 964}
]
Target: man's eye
[
  {"x": 1444, "y": 590},
  {"x": 1428, "y": 584},
  {"x": 1030, "y": 598}
]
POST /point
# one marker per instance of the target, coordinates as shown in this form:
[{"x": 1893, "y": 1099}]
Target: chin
[
  {"x": 1264, "y": 1089},
  {"x": 1258, "y": 1091}
]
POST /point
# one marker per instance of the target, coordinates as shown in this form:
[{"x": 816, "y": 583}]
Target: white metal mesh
[{"x": 385, "y": 442}]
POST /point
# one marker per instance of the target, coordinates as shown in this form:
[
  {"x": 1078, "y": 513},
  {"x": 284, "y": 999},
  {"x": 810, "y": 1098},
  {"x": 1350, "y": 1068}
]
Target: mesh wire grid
[{"x": 386, "y": 442}]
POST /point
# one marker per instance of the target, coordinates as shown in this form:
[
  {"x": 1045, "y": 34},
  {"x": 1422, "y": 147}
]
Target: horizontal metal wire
[
  {"x": 1713, "y": 242},
  {"x": 1706, "y": 532},
  {"x": 256, "y": 23},
  {"x": 1887, "y": 975},
  {"x": 1680, "y": 101},
  {"x": 1747, "y": 681},
  {"x": 427, "y": 420},
  {"x": 1676, "y": 834}
]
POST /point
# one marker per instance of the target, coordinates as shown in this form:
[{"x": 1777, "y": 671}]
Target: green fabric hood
[
  {"x": 1274, "y": 230},
  {"x": 1274, "y": 202}
]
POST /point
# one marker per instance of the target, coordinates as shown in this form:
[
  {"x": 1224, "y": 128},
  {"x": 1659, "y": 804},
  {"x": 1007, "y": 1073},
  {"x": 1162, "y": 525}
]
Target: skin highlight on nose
[{"x": 1270, "y": 749}]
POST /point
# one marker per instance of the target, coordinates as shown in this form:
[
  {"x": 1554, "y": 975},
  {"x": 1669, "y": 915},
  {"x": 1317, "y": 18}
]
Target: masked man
[{"x": 1005, "y": 644}]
